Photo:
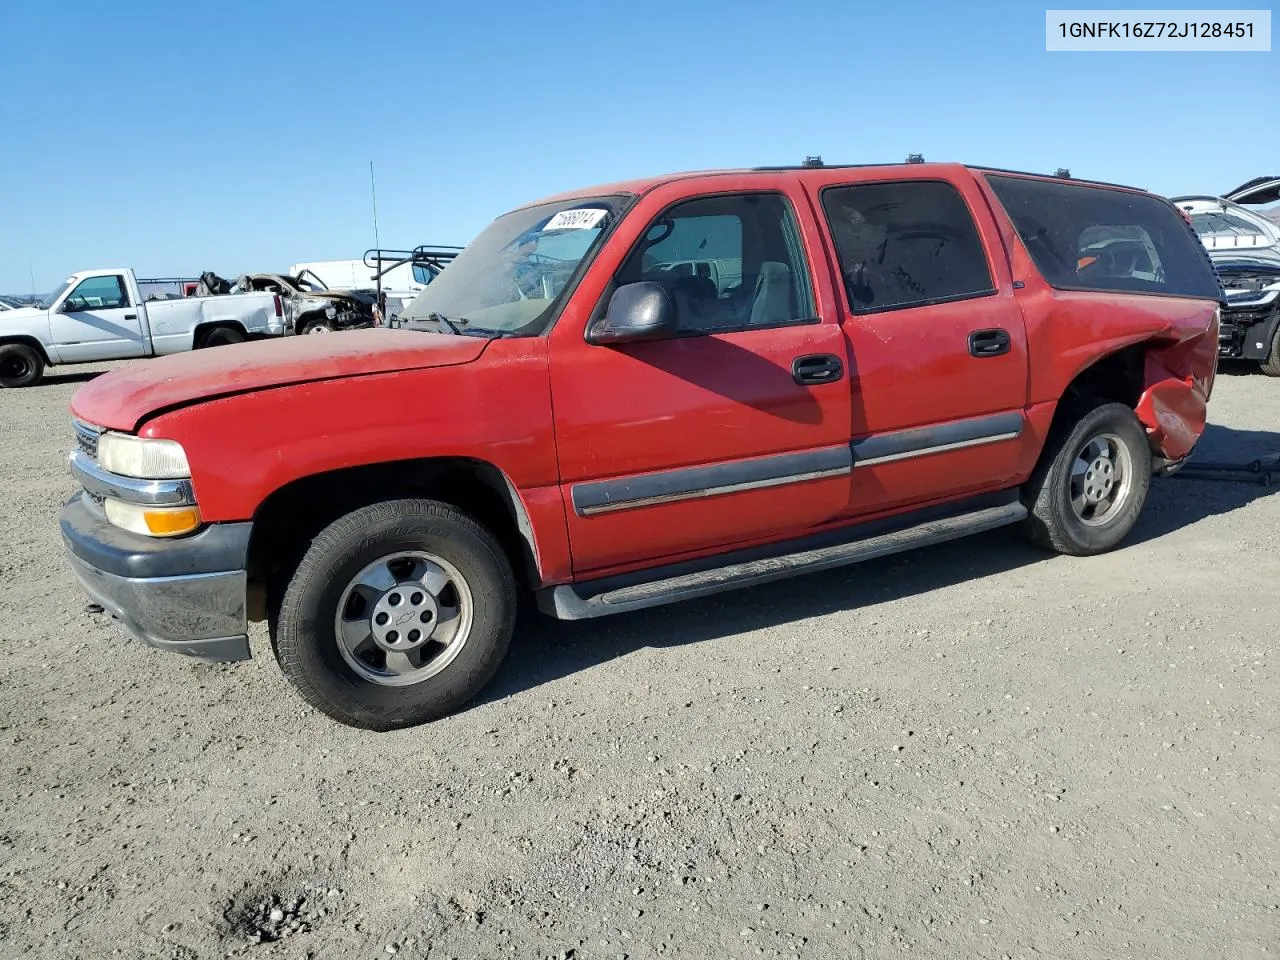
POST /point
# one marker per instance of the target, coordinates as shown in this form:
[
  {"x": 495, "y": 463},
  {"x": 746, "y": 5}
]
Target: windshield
[
  {"x": 510, "y": 277},
  {"x": 48, "y": 302}
]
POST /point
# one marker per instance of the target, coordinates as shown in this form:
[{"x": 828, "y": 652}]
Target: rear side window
[
  {"x": 1092, "y": 238},
  {"x": 905, "y": 244}
]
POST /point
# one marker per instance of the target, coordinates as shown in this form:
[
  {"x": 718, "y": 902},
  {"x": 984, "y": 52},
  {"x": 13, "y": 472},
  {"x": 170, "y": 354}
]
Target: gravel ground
[{"x": 972, "y": 751}]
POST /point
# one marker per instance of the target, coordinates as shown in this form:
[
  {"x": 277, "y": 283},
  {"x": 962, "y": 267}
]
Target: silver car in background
[{"x": 1241, "y": 232}]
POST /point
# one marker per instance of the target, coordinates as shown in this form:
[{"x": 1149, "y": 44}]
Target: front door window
[{"x": 98, "y": 293}]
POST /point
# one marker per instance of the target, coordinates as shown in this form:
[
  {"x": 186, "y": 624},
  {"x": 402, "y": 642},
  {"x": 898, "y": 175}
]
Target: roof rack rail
[
  {"x": 1032, "y": 173},
  {"x": 426, "y": 254}
]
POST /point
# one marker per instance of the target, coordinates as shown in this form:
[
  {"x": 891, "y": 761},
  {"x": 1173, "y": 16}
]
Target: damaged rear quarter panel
[
  {"x": 1177, "y": 383},
  {"x": 1073, "y": 330}
]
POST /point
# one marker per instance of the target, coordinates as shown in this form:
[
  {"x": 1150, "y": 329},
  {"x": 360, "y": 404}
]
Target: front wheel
[
  {"x": 20, "y": 365},
  {"x": 399, "y": 613},
  {"x": 1091, "y": 484},
  {"x": 317, "y": 326}
]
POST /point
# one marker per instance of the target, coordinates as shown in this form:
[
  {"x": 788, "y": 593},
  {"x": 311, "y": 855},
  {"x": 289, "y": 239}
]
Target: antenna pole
[
  {"x": 373, "y": 192},
  {"x": 32, "y": 276}
]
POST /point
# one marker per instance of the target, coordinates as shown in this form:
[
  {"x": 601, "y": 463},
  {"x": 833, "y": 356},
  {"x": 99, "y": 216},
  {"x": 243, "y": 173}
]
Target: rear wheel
[
  {"x": 398, "y": 614},
  {"x": 1271, "y": 365},
  {"x": 1091, "y": 484},
  {"x": 220, "y": 337},
  {"x": 20, "y": 365}
]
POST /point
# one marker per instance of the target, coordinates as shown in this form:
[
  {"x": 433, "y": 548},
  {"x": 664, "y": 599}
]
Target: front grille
[
  {"x": 1247, "y": 316},
  {"x": 1247, "y": 279},
  {"x": 87, "y": 438}
]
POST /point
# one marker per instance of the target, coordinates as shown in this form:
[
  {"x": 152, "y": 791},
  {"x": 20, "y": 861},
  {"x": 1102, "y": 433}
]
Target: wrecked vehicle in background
[
  {"x": 309, "y": 304},
  {"x": 1244, "y": 245}
]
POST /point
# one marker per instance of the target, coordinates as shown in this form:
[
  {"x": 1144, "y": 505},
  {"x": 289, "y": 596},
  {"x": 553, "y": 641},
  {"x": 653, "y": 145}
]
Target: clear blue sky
[{"x": 180, "y": 136}]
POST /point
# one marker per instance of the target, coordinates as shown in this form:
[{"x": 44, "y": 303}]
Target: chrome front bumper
[{"x": 186, "y": 595}]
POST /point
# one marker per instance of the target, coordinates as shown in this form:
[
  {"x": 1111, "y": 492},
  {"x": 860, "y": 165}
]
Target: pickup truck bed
[{"x": 103, "y": 315}]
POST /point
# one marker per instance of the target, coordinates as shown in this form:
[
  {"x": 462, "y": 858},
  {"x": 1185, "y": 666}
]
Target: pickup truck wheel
[
  {"x": 317, "y": 326},
  {"x": 1271, "y": 365},
  {"x": 20, "y": 365},
  {"x": 399, "y": 613},
  {"x": 220, "y": 337},
  {"x": 1091, "y": 484}
]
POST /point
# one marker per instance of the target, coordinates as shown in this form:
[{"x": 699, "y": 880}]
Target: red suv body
[{"x": 647, "y": 392}]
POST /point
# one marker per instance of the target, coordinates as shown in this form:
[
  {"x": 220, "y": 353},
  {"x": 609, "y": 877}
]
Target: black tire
[
  {"x": 1271, "y": 365},
  {"x": 306, "y": 635},
  {"x": 21, "y": 365},
  {"x": 1053, "y": 523},
  {"x": 220, "y": 337},
  {"x": 322, "y": 325}
]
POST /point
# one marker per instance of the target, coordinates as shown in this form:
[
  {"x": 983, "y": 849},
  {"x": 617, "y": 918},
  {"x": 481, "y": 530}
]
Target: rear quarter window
[{"x": 1094, "y": 238}]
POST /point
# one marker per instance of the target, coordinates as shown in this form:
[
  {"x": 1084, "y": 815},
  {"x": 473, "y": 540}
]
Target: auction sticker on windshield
[{"x": 583, "y": 218}]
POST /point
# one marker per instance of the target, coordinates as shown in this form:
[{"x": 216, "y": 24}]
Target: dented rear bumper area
[{"x": 1177, "y": 383}]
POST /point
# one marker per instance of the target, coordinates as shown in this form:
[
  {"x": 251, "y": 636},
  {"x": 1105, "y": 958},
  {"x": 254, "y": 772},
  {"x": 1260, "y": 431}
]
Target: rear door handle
[
  {"x": 989, "y": 343},
  {"x": 817, "y": 368}
]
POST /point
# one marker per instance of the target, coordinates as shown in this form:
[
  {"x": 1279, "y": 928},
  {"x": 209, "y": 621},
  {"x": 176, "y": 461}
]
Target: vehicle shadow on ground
[
  {"x": 76, "y": 376},
  {"x": 1239, "y": 368},
  {"x": 1181, "y": 500},
  {"x": 546, "y": 650}
]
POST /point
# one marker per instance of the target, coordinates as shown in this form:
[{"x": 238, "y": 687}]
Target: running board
[{"x": 603, "y": 597}]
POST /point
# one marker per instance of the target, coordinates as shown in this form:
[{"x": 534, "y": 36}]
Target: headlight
[
  {"x": 142, "y": 458},
  {"x": 152, "y": 521}
]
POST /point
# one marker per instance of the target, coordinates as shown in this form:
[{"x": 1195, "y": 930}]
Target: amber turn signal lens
[
  {"x": 170, "y": 523},
  {"x": 153, "y": 521}
]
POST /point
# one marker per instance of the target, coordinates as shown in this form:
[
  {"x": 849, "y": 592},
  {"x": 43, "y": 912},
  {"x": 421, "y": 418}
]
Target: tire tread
[
  {"x": 327, "y": 551},
  {"x": 33, "y": 357},
  {"x": 1047, "y": 525},
  {"x": 1271, "y": 365}
]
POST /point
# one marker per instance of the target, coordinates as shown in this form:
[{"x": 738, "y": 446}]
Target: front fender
[{"x": 497, "y": 410}]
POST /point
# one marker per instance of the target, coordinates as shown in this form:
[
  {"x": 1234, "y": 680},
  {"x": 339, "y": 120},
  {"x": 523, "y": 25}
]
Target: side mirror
[
  {"x": 637, "y": 311},
  {"x": 67, "y": 306}
]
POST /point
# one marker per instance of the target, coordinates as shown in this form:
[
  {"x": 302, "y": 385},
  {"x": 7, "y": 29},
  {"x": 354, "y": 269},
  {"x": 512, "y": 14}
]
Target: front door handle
[
  {"x": 131, "y": 316},
  {"x": 817, "y": 368},
  {"x": 989, "y": 343}
]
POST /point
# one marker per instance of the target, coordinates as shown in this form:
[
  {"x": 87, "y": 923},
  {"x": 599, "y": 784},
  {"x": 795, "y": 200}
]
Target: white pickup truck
[{"x": 102, "y": 315}]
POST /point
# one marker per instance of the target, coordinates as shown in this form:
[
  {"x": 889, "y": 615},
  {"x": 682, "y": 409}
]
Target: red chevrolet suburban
[{"x": 643, "y": 393}]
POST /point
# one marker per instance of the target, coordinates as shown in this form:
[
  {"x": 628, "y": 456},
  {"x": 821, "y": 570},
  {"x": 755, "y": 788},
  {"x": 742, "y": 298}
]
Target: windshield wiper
[
  {"x": 488, "y": 332},
  {"x": 455, "y": 326}
]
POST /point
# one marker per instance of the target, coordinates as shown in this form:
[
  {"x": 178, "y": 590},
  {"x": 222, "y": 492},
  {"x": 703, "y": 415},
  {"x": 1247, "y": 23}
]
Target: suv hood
[
  {"x": 1257, "y": 190},
  {"x": 1224, "y": 226},
  {"x": 123, "y": 398}
]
